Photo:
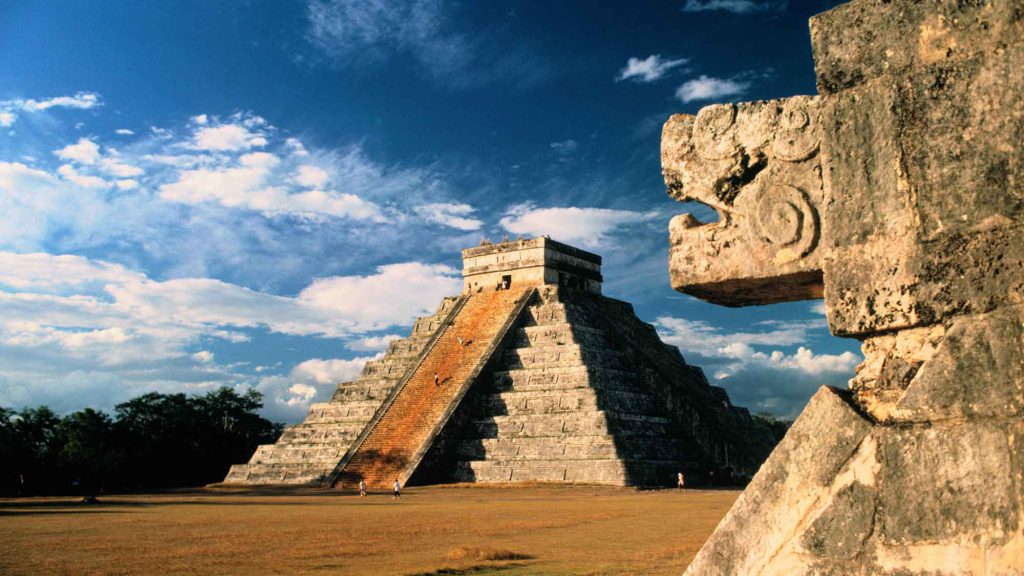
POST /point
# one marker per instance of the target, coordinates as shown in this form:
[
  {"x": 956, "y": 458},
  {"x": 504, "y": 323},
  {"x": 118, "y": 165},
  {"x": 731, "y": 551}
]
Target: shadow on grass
[{"x": 505, "y": 568}]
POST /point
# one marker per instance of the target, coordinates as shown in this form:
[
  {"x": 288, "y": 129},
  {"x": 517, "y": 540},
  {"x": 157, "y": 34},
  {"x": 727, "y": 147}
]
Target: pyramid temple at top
[{"x": 531, "y": 374}]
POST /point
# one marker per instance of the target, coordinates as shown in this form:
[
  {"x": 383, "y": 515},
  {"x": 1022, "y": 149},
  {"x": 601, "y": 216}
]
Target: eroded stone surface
[{"x": 919, "y": 122}]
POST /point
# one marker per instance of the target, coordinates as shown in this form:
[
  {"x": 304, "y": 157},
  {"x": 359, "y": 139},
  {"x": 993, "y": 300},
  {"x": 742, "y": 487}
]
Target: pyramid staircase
[
  {"x": 307, "y": 453},
  {"x": 404, "y": 427},
  {"x": 565, "y": 403}
]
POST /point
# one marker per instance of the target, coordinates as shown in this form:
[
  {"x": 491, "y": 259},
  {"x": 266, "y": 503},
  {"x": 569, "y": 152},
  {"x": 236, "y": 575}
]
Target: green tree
[{"x": 89, "y": 453}]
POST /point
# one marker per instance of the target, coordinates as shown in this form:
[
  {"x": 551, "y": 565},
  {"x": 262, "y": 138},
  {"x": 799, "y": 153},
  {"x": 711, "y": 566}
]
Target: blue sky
[{"x": 261, "y": 194}]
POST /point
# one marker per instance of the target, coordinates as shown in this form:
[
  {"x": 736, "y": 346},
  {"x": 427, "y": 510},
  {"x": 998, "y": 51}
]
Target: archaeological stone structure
[
  {"x": 531, "y": 374},
  {"x": 896, "y": 194}
]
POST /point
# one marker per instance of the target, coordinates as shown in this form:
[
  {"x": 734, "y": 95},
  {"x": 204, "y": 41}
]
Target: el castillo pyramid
[{"x": 538, "y": 378}]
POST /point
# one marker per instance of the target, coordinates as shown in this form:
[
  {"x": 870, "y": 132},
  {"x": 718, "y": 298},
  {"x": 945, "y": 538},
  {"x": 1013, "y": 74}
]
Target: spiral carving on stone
[
  {"x": 711, "y": 135},
  {"x": 785, "y": 219},
  {"x": 796, "y": 138}
]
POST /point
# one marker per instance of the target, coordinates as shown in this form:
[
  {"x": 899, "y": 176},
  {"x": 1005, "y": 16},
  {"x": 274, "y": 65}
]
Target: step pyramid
[{"x": 552, "y": 381}]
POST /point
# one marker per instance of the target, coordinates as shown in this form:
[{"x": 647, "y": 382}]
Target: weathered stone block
[
  {"x": 793, "y": 479},
  {"x": 941, "y": 484},
  {"x": 977, "y": 372},
  {"x": 859, "y": 41}
]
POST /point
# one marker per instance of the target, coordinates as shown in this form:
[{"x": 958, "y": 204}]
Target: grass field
[{"x": 431, "y": 530}]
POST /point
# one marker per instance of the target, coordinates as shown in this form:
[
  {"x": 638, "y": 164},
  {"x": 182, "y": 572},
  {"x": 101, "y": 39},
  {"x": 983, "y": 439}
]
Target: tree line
[{"x": 151, "y": 441}]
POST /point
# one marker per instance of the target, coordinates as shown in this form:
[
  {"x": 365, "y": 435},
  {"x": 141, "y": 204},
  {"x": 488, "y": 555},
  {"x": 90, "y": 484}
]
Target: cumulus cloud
[
  {"x": 648, "y": 69},
  {"x": 590, "y": 227},
  {"x": 735, "y": 6},
  {"x": 227, "y": 138},
  {"x": 71, "y": 175},
  {"x": 394, "y": 293},
  {"x": 458, "y": 216},
  {"x": 84, "y": 151},
  {"x": 81, "y": 101},
  {"x": 124, "y": 132},
  {"x": 753, "y": 368},
  {"x": 707, "y": 88},
  {"x": 290, "y": 395},
  {"x": 65, "y": 314},
  {"x": 311, "y": 176}
]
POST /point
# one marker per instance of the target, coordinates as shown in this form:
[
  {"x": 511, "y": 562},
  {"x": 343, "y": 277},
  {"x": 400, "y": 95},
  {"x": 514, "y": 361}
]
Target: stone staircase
[
  {"x": 565, "y": 404},
  {"x": 392, "y": 446},
  {"x": 306, "y": 453}
]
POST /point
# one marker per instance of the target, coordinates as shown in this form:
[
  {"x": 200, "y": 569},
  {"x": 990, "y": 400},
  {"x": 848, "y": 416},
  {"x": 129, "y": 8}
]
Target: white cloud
[
  {"x": 227, "y": 138},
  {"x": 296, "y": 147},
  {"x": 201, "y": 119},
  {"x": 82, "y": 322},
  {"x": 372, "y": 343},
  {"x": 288, "y": 396},
  {"x": 380, "y": 300},
  {"x": 565, "y": 147},
  {"x": 84, "y": 151},
  {"x": 124, "y": 132},
  {"x": 84, "y": 180},
  {"x": 649, "y": 69},
  {"x": 311, "y": 176},
  {"x": 706, "y": 88},
  {"x": 456, "y": 216},
  {"x": 735, "y": 6},
  {"x": 330, "y": 372},
  {"x": 590, "y": 227},
  {"x": 81, "y": 101},
  {"x": 763, "y": 380}
]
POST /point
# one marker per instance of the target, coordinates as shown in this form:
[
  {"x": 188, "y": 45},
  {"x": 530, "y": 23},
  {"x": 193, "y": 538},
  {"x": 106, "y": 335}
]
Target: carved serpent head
[{"x": 756, "y": 164}]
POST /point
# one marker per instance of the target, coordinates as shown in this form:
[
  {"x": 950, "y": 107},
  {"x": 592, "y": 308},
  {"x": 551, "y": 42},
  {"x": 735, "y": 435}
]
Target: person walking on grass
[
  {"x": 362, "y": 488},
  {"x": 398, "y": 490},
  {"x": 681, "y": 482}
]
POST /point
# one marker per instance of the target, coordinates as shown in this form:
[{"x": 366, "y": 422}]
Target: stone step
[
  {"x": 598, "y": 423},
  {"x": 562, "y": 356},
  {"x": 279, "y": 474},
  {"x": 572, "y": 400},
  {"x": 572, "y": 448},
  {"x": 610, "y": 471},
  {"x": 565, "y": 378},
  {"x": 558, "y": 334}
]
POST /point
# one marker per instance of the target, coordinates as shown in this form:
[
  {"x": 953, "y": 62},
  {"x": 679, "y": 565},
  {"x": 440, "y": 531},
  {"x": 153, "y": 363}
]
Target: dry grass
[
  {"x": 485, "y": 554},
  {"x": 433, "y": 530}
]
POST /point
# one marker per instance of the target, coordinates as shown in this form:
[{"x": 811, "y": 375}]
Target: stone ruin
[
  {"x": 896, "y": 194},
  {"x": 539, "y": 378}
]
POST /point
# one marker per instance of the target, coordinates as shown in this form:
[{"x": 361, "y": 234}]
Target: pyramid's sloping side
[
  {"x": 306, "y": 452},
  {"x": 405, "y": 427},
  {"x": 574, "y": 399}
]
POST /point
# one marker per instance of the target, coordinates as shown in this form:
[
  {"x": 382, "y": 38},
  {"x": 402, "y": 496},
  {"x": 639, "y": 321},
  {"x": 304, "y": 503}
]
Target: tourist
[
  {"x": 398, "y": 490},
  {"x": 460, "y": 340},
  {"x": 437, "y": 379},
  {"x": 362, "y": 488},
  {"x": 681, "y": 481}
]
